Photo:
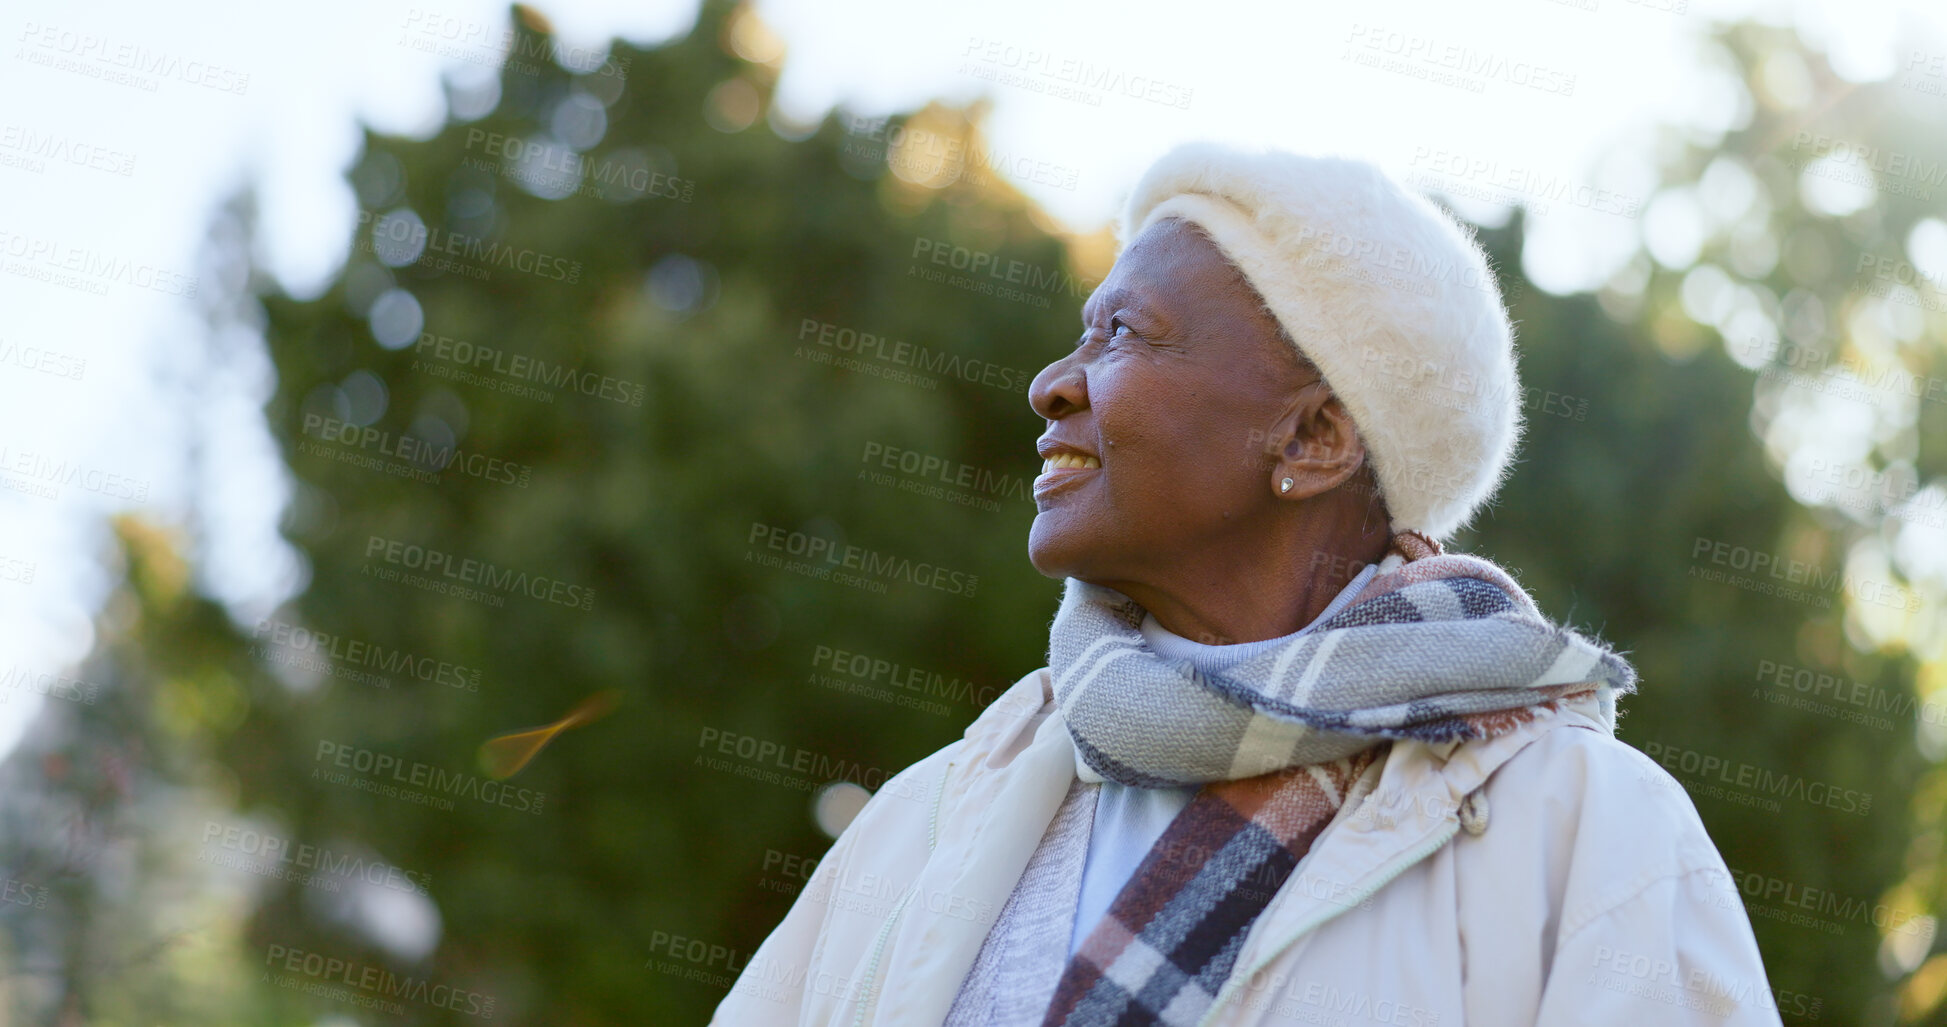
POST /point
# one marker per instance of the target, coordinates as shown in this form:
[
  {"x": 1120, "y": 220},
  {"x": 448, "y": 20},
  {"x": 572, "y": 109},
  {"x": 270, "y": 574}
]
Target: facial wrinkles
[
  {"x": 1232, "y": 375},
  {"x": 1176, "y": 408}
]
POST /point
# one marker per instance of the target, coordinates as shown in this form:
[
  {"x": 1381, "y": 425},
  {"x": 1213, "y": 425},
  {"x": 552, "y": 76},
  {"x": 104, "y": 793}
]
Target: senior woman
[{"x": 1289, "y": 762}]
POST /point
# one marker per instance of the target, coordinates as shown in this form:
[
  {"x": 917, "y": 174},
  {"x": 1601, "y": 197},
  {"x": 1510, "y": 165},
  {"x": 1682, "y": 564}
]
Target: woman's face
[{"x": 1169, "y": 394}]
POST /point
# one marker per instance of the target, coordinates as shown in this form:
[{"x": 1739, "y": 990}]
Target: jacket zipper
[
  {"x": 1385, "y": 877},
  {"x": 885, "y": 932},
  {"x": 933, "y": 821},
  {"x": 878, "y": 949}
]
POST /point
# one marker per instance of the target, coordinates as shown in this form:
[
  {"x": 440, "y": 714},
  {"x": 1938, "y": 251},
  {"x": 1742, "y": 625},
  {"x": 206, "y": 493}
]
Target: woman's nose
[{"x": 1061, "y": 388}]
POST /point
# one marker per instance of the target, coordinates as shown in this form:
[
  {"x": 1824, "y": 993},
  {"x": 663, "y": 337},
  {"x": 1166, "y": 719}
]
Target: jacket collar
[{"x": 1453, "y": 769}]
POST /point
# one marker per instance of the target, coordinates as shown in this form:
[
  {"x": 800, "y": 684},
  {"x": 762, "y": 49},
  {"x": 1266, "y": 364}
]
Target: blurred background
[{"x": 427, "y": 435}]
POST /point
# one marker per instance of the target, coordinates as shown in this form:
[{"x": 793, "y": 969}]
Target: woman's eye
[{"x": 1116, "y": 327}]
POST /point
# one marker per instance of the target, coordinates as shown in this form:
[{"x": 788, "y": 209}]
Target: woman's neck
[{"x": 1246, "y": 593}]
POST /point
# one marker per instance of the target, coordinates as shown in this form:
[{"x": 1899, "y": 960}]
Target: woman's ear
[{"x": 1319, "y": 445}]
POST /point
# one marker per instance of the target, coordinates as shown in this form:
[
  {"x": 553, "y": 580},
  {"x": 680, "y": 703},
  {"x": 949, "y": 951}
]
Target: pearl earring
[{"x": 1285, "y": 486}]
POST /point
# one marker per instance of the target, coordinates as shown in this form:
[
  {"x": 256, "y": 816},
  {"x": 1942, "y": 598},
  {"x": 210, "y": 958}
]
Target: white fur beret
[{"x": 1384, "y": 293}]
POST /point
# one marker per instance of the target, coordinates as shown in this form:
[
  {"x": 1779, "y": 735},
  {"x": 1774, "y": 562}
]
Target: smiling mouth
[
  {"x": 1069, "y": 461},
  {"x": 1061, "y": 470}
]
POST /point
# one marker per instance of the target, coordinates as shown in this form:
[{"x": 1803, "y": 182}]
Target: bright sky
[{"x": 99, "y": 173}]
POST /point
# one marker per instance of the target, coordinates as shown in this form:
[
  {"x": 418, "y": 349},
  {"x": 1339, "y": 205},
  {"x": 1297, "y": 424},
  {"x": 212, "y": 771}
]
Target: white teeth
[{"x": 1069, "y": 461}]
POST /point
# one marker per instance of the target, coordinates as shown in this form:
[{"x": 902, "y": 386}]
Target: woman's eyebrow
[{"x": 1112, "y": 299}]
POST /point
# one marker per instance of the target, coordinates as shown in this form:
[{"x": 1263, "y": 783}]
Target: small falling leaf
[{"x": 503, "y": 757}]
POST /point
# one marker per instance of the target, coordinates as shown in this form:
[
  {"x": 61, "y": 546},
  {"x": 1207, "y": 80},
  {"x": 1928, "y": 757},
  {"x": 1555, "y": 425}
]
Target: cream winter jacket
[{"x": 1582, "y": 889}]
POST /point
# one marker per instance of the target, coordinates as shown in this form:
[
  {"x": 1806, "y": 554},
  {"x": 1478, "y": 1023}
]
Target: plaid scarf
[
  {"x": 1421, "y": 648},
  {"x": 1444, "y": 647}
]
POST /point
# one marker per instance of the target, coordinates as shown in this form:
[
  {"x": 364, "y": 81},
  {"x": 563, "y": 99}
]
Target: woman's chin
[
  {"x": 1045, "y": 564},
  {"x": 1050, "y": 549}
]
